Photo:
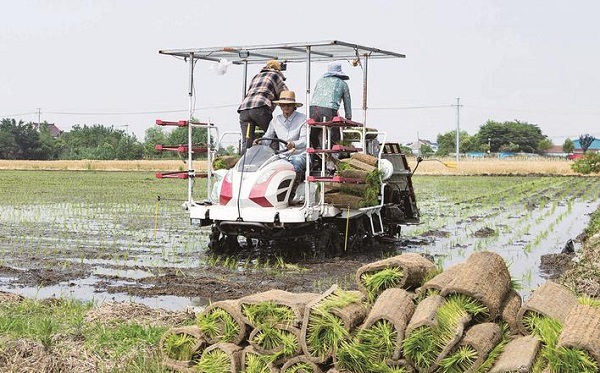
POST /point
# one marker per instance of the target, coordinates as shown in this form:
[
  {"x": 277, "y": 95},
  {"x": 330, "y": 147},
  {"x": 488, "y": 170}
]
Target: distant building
[
  {"x": 416, "y": 146},
  {"x": 556, "y": 151},
  {"x": 52, "y": 129},
  {"x": 595, "y": 146}
]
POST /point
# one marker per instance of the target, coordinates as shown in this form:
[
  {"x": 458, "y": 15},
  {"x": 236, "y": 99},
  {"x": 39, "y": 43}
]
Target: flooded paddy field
[{"x": 106, "y": 235}]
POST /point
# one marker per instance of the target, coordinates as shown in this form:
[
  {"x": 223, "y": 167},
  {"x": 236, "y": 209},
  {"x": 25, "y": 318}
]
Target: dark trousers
[
  {"x": 323, "y": 114},
  {"x": 250, "y": 119}
]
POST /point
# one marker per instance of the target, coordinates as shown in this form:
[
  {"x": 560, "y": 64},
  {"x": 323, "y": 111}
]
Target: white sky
[{"x": 97, "y": 62}]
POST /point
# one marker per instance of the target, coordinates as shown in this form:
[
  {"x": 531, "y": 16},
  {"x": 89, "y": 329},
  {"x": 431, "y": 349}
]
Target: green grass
[
  {"x": 267, "y": 313},
  {"x": 62, "y": 322}
]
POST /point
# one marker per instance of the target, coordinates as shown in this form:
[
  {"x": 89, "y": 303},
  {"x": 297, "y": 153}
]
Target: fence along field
[{"x": 84, "y": 234}]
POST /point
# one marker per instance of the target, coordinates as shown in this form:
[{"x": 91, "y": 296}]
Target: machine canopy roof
[{"x": 329, "y": 50}]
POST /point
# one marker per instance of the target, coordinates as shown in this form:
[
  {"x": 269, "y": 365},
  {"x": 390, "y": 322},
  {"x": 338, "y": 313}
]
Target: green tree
[
  {"x": 585, "y": 141},
  {"x": 590, "y": 163},
  {"x": 568, "y": 146},
  {"x": 152, "y": 137},
  {"x": 515, "y": 135},
  {"x": 447, "y": 143},
  {"x": 426, "y": 150},
  {"x": 99, "y": 142},
  {"x": 20, "y": 140},
  {"x": 544, "y": 145}
]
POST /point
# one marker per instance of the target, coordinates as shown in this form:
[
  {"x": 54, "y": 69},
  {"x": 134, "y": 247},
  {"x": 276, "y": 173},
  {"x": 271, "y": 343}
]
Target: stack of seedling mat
[
  {"x": 363, "y": 186},
  {"x": 406, "y": 316}
]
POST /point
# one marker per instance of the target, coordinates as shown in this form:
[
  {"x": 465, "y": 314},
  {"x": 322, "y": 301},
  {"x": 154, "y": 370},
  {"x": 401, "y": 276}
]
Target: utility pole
[
  {"x": 39, "y": 111},
  {"x": 457, "y": 128}
]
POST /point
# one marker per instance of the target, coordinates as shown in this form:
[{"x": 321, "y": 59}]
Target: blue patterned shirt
[{"x": 329, "y": 92}]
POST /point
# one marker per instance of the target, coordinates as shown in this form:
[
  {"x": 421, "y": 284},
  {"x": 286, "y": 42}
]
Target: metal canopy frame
[{"x": 328, "y": 50}]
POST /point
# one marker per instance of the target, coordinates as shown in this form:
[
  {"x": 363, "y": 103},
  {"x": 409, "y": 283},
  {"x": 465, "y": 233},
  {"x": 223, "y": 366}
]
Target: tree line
[{"x": 29, "y": 141}]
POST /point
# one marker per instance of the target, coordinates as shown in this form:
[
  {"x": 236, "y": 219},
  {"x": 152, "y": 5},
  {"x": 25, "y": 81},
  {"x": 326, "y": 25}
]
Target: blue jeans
[{"x": 299, "y": 162}]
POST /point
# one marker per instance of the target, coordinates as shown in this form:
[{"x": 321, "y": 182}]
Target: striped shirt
[{"x": 264, "y": 88}]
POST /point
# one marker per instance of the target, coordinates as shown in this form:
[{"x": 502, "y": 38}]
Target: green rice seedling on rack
[
  {"x": 215, "y": 361},
  {"x": 377, "y": 282},
  {"x": 218, "y": 324}
]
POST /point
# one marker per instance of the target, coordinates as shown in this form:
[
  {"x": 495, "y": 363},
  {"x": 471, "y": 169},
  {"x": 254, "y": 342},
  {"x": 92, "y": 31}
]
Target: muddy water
[{"x": 132, "y": 251}]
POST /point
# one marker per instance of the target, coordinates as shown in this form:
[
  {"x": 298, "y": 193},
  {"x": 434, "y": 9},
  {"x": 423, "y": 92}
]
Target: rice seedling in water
[
  {"x": 218, "y": 324},
  {"x": 215, "y": 361},
  {"x": 377, "y": 282}
]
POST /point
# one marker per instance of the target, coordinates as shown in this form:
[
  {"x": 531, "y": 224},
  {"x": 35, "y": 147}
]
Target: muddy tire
[
  {"x": 328, "y": 241},
  {"x": 221, "y": 244}
]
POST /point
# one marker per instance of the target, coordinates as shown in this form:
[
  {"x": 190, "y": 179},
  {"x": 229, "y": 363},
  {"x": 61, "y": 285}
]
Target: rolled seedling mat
[
  {"x": 425, "y": 313},
  {"x": 365, "y": 158},
  {"x": 414, "y": 269},
  {"x": 344, "y": 200},
  {"x": 351, "y": 315},
  {"x": 354, "y": 174},
  {"x": 248, "y": 352},
  {"x": 437, "y": 283},
  {"x": 483, "y": 277},
  {"x": 396, "y": 306},
  {"x": 581, "y": 330},
  {"x": 481, "y": 338},
  {"x": 231, "y": 309},
  {"x": 550, "y": 300},
  {"x": 231, "y": 350},
  {"x": 519, "y": 355},
  {"x": 195, "y": 342},
  {"x": 300, "y": 364},
  {"x": 289, "y": 307},
  {"x": 510, "y": 310},
  {"x": 277, "y": 351},
  {"x": 425, "y": 316},
  {"x": 359, "y": 165}
]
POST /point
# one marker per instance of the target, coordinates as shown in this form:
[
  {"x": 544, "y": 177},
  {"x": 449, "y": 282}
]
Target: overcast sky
[{"x": 97, "y": 62}]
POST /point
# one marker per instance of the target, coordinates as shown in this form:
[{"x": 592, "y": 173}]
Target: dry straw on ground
[{"x": 491, "y": 166}]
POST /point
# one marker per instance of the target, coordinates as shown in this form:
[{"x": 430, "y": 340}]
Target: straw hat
[
  {"x": 335, "y": 69},
  {"x": 287, "y": 97},
  {"x": 273, "y": 65}
]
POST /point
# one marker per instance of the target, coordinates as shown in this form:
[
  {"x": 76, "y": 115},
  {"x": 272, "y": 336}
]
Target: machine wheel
[
  {"x": 222, "y": 244},
  {"x": 328, "y": 240},
  {"x": 359, "y": 237}
]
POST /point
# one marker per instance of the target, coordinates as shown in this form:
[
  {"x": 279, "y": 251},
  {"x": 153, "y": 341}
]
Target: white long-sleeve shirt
[{"x": 292, "y": 128}]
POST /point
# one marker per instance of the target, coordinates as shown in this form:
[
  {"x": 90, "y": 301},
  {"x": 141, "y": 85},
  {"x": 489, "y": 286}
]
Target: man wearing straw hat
[
  {"x": 290, "y": 126},
  {"x": 257, "y": 107}
]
